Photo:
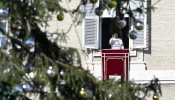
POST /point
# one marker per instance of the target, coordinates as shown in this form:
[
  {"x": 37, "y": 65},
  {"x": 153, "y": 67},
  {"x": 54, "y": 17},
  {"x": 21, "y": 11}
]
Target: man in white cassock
[{"x": 116, "y": 42}]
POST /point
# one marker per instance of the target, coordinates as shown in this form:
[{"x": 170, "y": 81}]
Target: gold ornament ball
[
  {"x": 112, "y": 4},
  {"x": 60, "y": 17},
  {"x": 93, "y": 1},
  {"x": 83, "y": 93},
  {"x": 139, "y": 26},
  {"x": 155, "y": 97}
]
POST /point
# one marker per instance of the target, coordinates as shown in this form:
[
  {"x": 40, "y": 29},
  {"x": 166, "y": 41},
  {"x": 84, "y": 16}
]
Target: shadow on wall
[
  {"x": 148, "y": 42},
  {"x": 66, "y": 55}
]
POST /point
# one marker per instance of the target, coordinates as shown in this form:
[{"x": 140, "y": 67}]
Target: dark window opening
[{"x": 109, "y": 28}]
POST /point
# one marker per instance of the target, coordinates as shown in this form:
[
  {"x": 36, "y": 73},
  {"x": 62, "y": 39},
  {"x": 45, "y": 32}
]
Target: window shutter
[
  {"x": 140, "y": 41},
  {"x": 90, "y": 27}
]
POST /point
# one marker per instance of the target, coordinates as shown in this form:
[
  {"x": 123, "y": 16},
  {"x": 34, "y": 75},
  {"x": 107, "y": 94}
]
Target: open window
[
  {"x": 97, "y": 30},
  {"x": 108, "y": 28}
]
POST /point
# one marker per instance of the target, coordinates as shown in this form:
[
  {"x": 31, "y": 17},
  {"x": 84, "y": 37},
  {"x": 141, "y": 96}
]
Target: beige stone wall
[
  {"x": 161, "y": 54},
  {"x": 66, "y": 28},
  {"x": 74, "y": 35}
]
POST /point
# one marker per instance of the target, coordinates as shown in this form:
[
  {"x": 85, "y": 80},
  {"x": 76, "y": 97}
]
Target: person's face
[{"x": 115, "y": 35}]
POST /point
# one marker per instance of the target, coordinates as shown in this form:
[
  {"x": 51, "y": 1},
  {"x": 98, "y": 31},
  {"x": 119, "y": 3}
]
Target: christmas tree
[{"x": 32, "y": 65}]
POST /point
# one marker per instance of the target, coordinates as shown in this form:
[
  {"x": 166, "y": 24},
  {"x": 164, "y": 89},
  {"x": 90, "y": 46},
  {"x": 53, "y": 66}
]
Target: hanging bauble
[
  {"x": 62, "y": 73},
  {"x": 60, "y": 17},
  {"x": 18, "y": 22},
  {"x": 85, "y": 93},
  {"x": 26, "y": 87},
  {"x": 155, "y": 97},
  {"x": 30, "y": 42},
  {"x": 110, "y": 96},
  {"x": 18, "y": 88},
  {"x": 17, "y": 32},
  {"x": 133, "y": 35},
  {"x": 7, "y": 70},
  {"x": 3, "y": 12},
  {"x": 121, "y": 23},
  {"x": 93, "y": 1},
  {"x": 112, "y": 4},
  {"x": 35, "y": 12},
  {"x": 139, "y": 25},
  {"x": 99, "y": 11},
  {"x": 51, "y": 72}
]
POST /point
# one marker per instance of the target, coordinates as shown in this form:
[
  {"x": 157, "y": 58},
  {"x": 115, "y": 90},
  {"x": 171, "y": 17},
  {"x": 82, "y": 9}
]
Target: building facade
[
  {"x": 154, "y": 57},
  {"x": 151, "y": 54}
]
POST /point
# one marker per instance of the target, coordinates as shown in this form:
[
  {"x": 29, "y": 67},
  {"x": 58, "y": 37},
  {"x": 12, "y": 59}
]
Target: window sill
[{"x": 137, "y": 62}]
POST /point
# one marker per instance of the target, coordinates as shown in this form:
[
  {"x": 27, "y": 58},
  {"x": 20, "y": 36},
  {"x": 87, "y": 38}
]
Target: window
[
  {"x": 96, "y": 29},
  {"x": 108, "y": 28}
]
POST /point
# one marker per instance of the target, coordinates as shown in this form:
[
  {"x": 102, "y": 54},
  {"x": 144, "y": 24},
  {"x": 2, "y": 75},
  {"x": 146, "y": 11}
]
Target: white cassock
[{"x": 116, "y": 43}]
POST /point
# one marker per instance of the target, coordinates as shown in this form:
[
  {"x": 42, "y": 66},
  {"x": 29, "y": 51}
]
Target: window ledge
[{"x": 137, "y": 62}]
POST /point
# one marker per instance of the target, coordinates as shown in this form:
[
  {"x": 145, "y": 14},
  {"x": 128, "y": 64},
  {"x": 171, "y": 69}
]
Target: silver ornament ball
[
  {"x": 4, "y": 12},
  {"x": 133, "y": 35},
  {"x": 110, "y": 96},
  {"x": 18, "y": 88},
  {"x": 99, "y": 11},
  {"x": 30, "y": 42},
  {"x": 51, "y": 72},
  {"x": 121, "y": 23},
  {"x": 62, "y": 73},
  {"x": 7, "y": 70},
  {"x": 17, "y": 32},
  {"x": 26, "y": 87},
  {"x": 19, "y": 22}
]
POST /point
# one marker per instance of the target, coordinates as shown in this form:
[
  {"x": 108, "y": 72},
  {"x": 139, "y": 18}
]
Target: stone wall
[
  {"x": 66, "y": 28},
  {"x": 161, "y": 37}
]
